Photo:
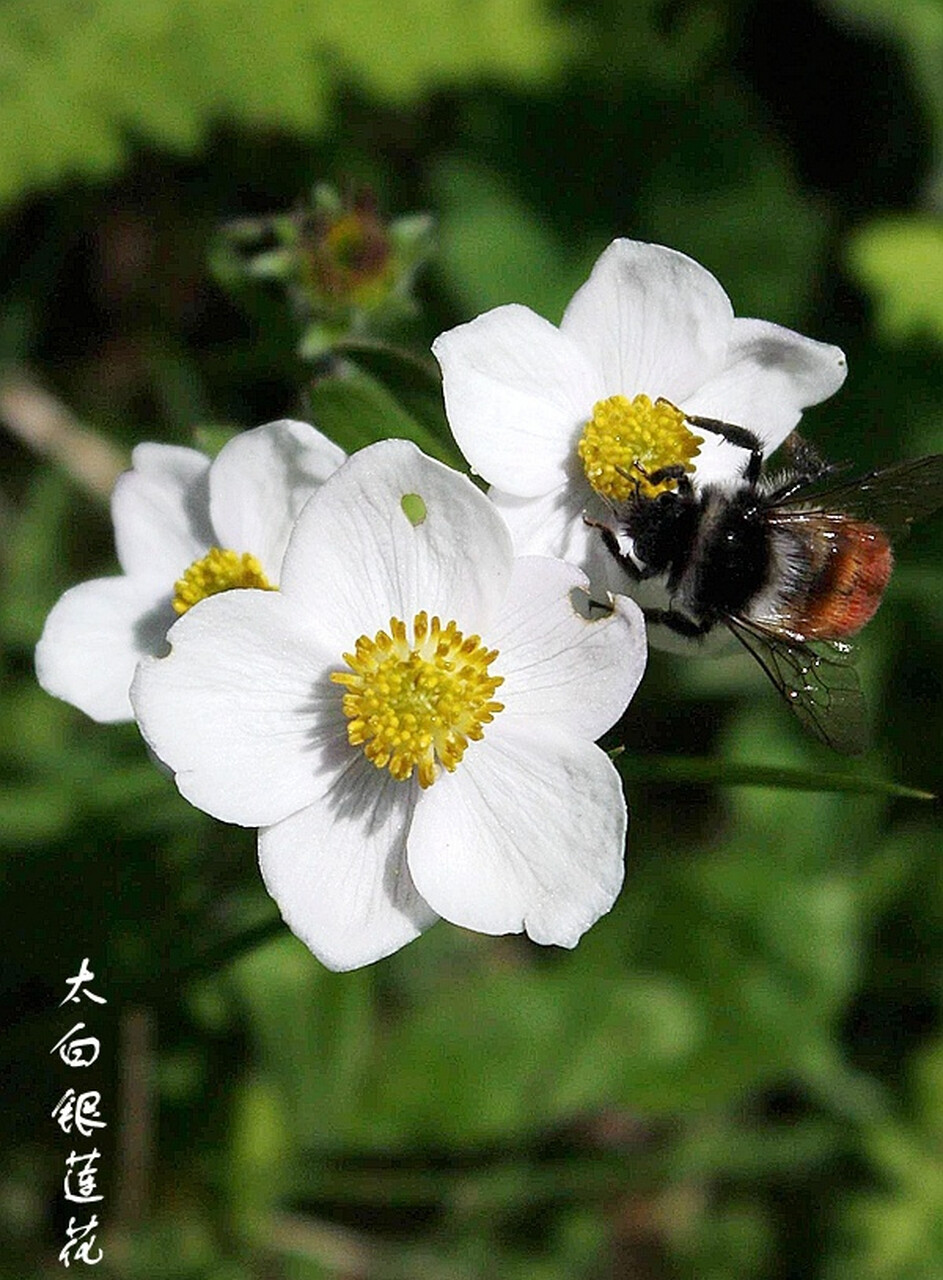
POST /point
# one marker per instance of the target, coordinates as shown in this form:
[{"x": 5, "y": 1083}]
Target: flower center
[
  {"x": 411, "y": 705},
  {"x": 350, "y": 260},
  {"x": 625, "y": 440},
  {"x": 219, "y": 570}
]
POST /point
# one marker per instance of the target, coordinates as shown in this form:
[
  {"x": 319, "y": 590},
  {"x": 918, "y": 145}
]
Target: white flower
[
  {"x": 650, "y": 322},
  {"x": 410, "y": 720},
  {"x": 169, "y": 511}
]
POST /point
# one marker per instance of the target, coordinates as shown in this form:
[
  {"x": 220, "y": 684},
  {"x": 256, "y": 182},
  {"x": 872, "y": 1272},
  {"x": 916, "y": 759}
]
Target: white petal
[
  {"x": 528, "y": 833},
  {"x": 771, "y": 374},
  {"x": 355, "y": 559},
  {"x": 338, "y": 871},
  {"x": 260, "y": 481},
  {"x": 718, "y": 461},
  {"x": 561, "y": 524},
  {"x": 557, "y": 663},
  {"x": 549, "y": 525},
  {"x": 160, "y": 510},
  {"x": 242, "y": 709},
  {"x": 93, "y": 638},
  {"x": 652, "y": 320},
  {"x": 517, "y": 394}
]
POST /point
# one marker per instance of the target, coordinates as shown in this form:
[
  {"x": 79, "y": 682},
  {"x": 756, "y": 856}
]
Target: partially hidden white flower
[
  {"x": 554, "y": 418},
  {"x": 410, "y": 720},
  {"x": 185, "y": 527}
]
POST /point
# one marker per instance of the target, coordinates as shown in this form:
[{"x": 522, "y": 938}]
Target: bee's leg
[
  {"x": 674, "y": 471},
  {"x": 611, "y": 543},
  {"x": 742, "y": 437},
  {"x": 601, "y": 525},
  {"x": 678, "y": 623}
]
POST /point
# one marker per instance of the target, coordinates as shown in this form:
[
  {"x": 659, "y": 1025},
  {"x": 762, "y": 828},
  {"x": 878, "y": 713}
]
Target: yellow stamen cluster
[
  {"x": 413, "y": 705},
  {"x": 627, "y": 440},
  {"x": 219, "y": 570}
]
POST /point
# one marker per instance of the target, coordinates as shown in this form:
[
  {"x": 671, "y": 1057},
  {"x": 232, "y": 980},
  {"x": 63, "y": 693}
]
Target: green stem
[{"x": 731, "y": 773}]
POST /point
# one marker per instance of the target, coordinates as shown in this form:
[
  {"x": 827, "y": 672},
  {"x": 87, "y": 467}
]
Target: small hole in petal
[
  {"x": 414, "y": 509},
  {"x": 590, "y": 605}
]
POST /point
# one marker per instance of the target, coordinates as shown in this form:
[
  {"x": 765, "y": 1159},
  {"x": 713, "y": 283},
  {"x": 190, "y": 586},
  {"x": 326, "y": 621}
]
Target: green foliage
[
  {"x": 34, "y": 578},
  {"x": 315, "y": 1032},
  {"x": 900, "y": 262},
  {"x": 80, "y": 79},
  {"x": 209, "y": 438},
  {"x": 494, "y": 249},
  {"x": 896, "y": 1231},
  {"x": 351, "y": 408}
]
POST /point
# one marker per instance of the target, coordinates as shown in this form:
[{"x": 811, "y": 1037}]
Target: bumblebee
[{"x": 793, "y": 565}]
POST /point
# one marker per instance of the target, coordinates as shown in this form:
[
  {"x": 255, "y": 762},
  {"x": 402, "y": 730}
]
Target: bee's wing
[
  {"x": 815, "y": 680},
  {"x": 893, "y": 498}
]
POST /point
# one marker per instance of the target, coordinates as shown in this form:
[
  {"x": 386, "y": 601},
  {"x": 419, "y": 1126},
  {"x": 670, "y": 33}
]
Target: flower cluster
[{"x": 399, "y": 680}]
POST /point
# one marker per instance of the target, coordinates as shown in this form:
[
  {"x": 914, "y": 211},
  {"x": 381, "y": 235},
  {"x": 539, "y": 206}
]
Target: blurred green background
[{"x": 739, "y": 1072}]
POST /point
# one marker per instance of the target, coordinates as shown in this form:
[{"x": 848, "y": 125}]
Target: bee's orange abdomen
[{"x": 850, "y": 581}]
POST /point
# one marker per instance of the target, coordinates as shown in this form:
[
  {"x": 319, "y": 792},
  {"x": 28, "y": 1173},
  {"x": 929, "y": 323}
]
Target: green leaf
[
  {"x": 766, "y": 954},
  {"x": 730, "y": 773},
  {"x": 79, "y": 80},
  {"x": 523, "y": 1049},
  {"x": 355, "y": 411},
  {"x": 314, "y": 1032},
  {"x": 32, "y": 814},
  {"x": 31, "y": 557},
  {"x": 414, "y": 380},
  {"x": 899, "y": 261},
  {"x": 494, "y": 249},
  {"x": 210, "y": 437},
  {"x": 205, "y": 962}
]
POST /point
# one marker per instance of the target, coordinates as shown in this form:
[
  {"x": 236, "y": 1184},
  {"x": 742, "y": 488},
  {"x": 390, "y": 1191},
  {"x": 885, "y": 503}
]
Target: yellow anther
[
  {"x": 625, "y": 435},
  {"x": 415, "y": 706},
  {"x": 219, "y": 570}
]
